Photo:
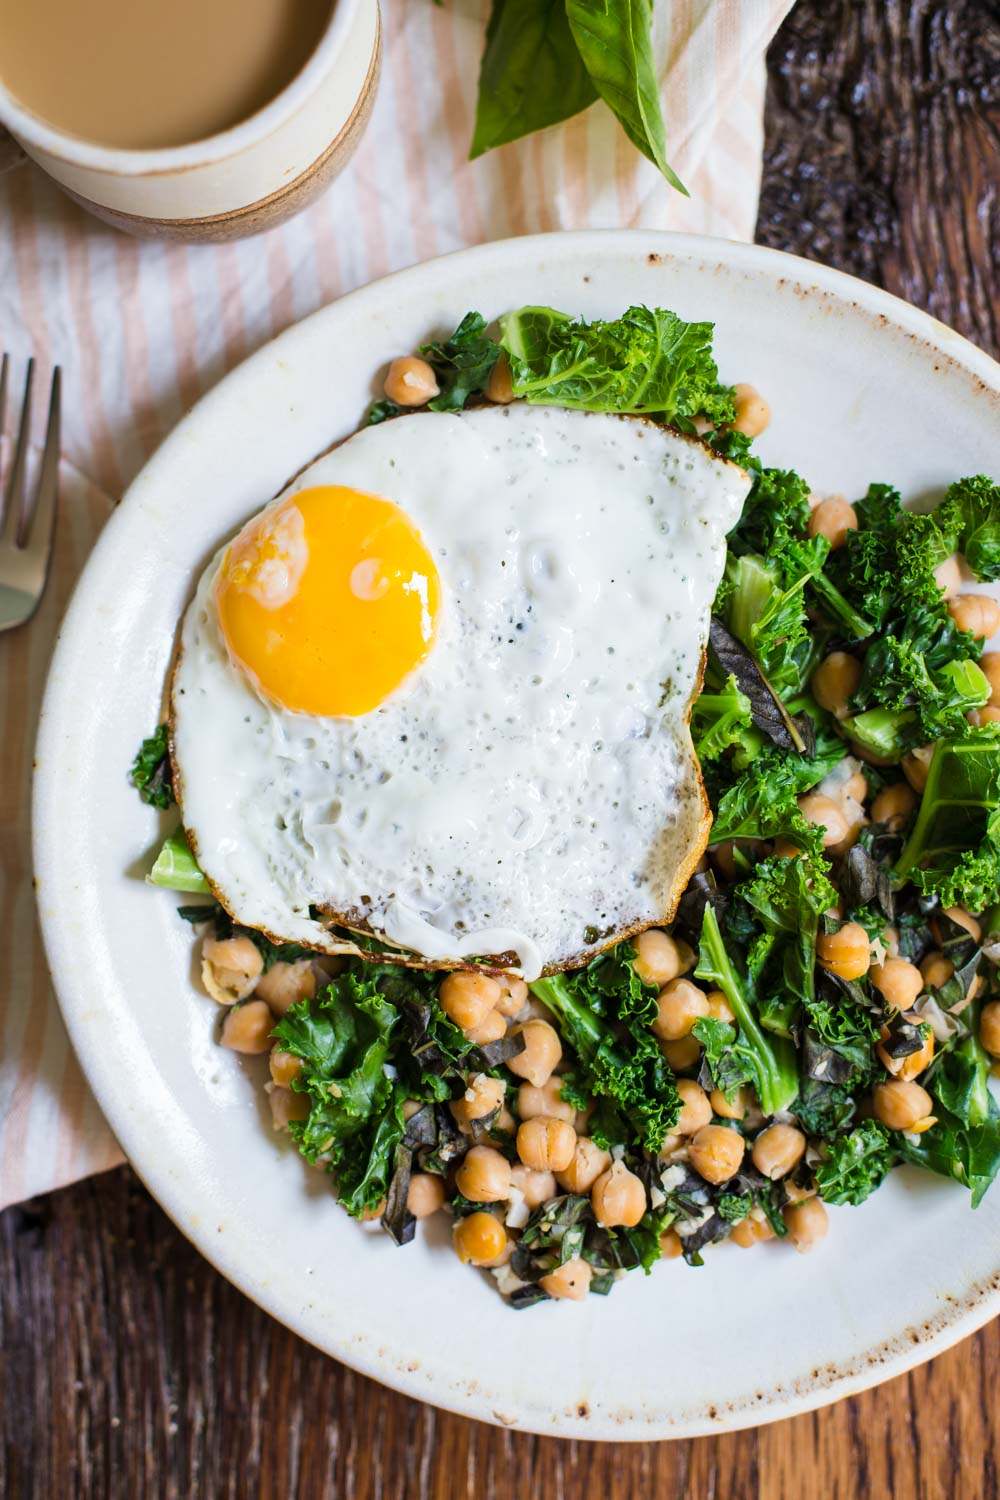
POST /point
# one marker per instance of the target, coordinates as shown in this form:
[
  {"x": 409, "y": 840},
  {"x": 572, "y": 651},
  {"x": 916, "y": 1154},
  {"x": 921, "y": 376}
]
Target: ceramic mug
[{"x": 242, "y": 180}]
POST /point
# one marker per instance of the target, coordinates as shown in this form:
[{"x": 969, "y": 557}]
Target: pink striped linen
[{"x": 142, "y": 330}]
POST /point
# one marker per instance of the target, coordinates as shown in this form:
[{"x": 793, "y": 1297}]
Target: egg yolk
[{"x": 328, "y": 600}]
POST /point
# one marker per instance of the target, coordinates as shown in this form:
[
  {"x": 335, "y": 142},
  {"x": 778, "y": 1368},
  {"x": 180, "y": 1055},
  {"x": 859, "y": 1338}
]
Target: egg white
[{"x": 531, "y": 789}]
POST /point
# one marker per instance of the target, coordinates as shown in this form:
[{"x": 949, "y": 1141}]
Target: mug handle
[{"x": 11, "y": 155}]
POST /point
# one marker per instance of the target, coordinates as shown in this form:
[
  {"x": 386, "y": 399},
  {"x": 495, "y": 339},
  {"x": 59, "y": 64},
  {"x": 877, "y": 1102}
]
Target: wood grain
[{"x": 130, "y": 1370}]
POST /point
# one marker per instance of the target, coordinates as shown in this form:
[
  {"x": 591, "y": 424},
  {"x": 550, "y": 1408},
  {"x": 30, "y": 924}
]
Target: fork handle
[{"x": 11, "y": 155}]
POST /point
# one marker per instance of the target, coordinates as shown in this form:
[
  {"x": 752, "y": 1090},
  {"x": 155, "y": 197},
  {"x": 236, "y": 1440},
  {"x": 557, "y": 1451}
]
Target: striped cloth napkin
[{"x": 142, "y": 330}]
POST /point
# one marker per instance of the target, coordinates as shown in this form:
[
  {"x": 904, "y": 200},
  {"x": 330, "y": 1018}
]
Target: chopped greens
[
  {"x": 176, "y": 868},
  {"x": 151, "y": 774},
  {"x": 830, "y": 878},
  {"x": 462, "y": 363},
  {"x": 604, "y": 1012}
]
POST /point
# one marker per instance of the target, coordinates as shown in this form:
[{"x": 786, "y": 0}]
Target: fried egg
[{"x": 437, "y": 693}]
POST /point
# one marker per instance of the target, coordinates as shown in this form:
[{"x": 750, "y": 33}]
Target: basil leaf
[
  {"x": 531, "y": 74},
  {"x": 615, "y": 40}
]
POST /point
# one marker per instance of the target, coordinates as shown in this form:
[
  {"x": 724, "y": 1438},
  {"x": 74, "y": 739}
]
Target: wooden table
[{"x": 131, "y": 1370}]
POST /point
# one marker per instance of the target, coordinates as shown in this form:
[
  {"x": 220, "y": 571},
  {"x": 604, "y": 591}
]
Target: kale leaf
[
  {"x": 648, "y": 361},
  {"x": 151, "y": 772},
  {"x": 603, "y": 1012},
  {"x": 856, "y": 1164},
  {"x": 770, "y": 1061},
  {"x": 969, "y": 517},
  {"x": 953, "y": 850},
  {"x": 355, "y": 1120},
  {"x": 462, "y": 363},
  {"x": 720, "y": 720}
]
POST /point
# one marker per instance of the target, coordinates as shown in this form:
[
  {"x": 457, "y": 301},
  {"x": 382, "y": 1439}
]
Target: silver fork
[{"x": 27, "y": 523}]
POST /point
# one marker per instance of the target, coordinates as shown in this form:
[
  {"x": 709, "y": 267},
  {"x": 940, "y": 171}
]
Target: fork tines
[{"x": 27, "y": 520}]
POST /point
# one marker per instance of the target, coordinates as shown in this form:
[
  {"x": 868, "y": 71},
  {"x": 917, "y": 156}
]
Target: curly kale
[
  {"x": 603, "y": 1012},
  {"x": 151, "y": 772}
]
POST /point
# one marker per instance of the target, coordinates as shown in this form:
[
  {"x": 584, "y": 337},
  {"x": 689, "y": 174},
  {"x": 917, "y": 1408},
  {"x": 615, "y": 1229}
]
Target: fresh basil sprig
[{"x": 546, "y": 60}]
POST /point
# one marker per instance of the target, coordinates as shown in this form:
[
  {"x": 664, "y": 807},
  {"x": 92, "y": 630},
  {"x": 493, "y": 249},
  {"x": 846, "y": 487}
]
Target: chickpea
[
  {"x": 500, "y": 386},
  {"x": 589, "y": 1161},
  {"x": 669, "y": 1145},
  {"x": 247, "y": 1028},
  {"x": 484, "y": 1176},
  {"x": 513, "y": 996},
  {"x": 682, "y": 1055},
  {"x": 571, "y": 1280},
  {"x": 990, "y": 714},
  {"x": 679, "y": 1005},
  {"x": 287, "y": 1106},
  {"x": 835, "y": 680},
  {"x": 425, "y": 1195},
  {"x": 284, "y": 985},
  {"x": 900, "y": 1105},
  {"x": 855, "y": 788},
  {"x": 230, "y": 968},
  {"x": 753, "y": 414},
  {"x": 961, "y": 917},
  {"x": 490, "y": 1029},
  {"x": 936, "y": 970},
  {"x": 410, "y": 381},
  {"x": 547, "y": 1145},
  {"x": 618, "y": 1197},
  {"x": 868, "y": 756},
  {"x": 916, "y": 766},
  {"x": 285, "y": 1067},
  {"x": 716, "y": 1152},
  {"x": 547, "y": 1100},
  {"x": 542, "y": 1052},
  {"x": 736, "y": 1110},
  {"x": 909, "y": 1067},
  {"x": 671, "y": 1245},
  {"x": 750, "y": 1231},
  {"x": 890, "y": 941},
  {"x": 467, "y": 998},
  {"x": 778, "y": 1150},
  {"x": 989, "y": 1027},
  {"x": 481, "y": 1098},
  {"x": 505, "y": 1122},
  {"x": 657, "y": 960},
  {"x": 976, "y": 613},
  {"x": 824, "y": 813},
  {"x": 723, "y": 857},
  {"x": 846, "y": 953},
  {"x": 898, "y": 982},
  {"x": 785, "y": 849},
  {"x": 369, "y": 1215},
  {"x": 833, "y": 518},
  {"x": 696, "y": 1110},
  {"x": 719, "y": 1007},
  {"x": 990, "y": 664},
  {"x": 480, "y": 1239},
  {"x": 411, "y": 1107},
  {"x": 686, "y": 954},
  {"x": 894, "y": 805},
  {"x": 807, "y": 1224},
  {"x": 856, "y": 820},
  {"x": 948, "y": 576},
  {"x": 537, "y": 1187}
]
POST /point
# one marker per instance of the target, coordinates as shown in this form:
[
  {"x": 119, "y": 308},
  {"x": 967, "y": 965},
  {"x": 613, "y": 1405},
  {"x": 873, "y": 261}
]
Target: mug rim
[{"x": 34, "y": 133}]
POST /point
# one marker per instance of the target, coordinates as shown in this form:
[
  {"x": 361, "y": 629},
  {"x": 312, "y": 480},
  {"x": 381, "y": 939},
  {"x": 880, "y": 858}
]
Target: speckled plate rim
[{"x": 96, "y": 1034}]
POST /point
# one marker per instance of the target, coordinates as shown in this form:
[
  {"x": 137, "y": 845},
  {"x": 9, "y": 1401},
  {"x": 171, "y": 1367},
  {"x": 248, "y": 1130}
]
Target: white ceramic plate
[{"x": 862, "y": 387}]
